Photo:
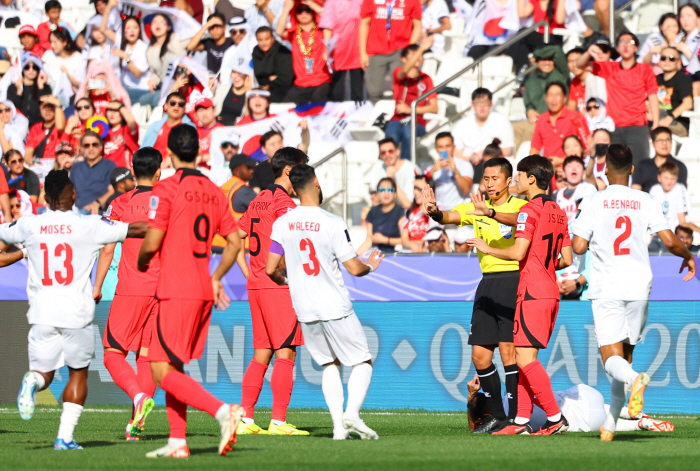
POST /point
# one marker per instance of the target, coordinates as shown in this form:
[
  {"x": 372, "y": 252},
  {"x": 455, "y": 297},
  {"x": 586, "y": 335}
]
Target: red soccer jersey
[
  {"x": 385, "y": 40},
  {"x": 133, "y": 207},
  {"x": 263, "y": 211},
  {"x": 628, "y": 90},
  {"x": 120, "y": 146},
  {"x": 550, "y": 138},
  {"x": 191, "y": 210},
  {"x": 408, "y": 89},
  {"x": 161, "y": 144},
  {"x": 544, "y": 224}
]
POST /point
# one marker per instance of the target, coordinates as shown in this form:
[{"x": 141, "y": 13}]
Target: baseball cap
[
  {"x": 257, "y": 92},
  {"x": 203, "y": 103},
  {"x": 119, "y": 174},
  {"x": 463, "y": 234},
  {"x": 603, "y": 41},
  {"x": 28, "y": 29},
  {"x": 241, "y": 159},
  {"x": 231, "y": 138},
  {"x": 434, "y": 234},
  {"x": 65, "y": 148}
]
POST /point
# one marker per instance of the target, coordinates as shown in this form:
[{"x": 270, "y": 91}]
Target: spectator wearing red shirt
[
  {"x": 312, "y": 83},
  {"x": 53, "y": 11},
  {"x": 629, "y": 84},
  {"x": 409, "y": 84},
  {"x": 4, "y": 197},
  {"x": 123, "y": 137},
  {"x": 577, "y": 89},
  {"x": 341, "y": 19},
  {"x": 158, "y": 132},
  {"x": 418, "y": 223},
  {"x": 206, "y": 123},
  {"x": 45, "y": 136},
  {"x": 30, "y": 41},
  {"x": 555, "y": 125},
  {"x": 386, "y": 28},
  {"x": 257, "y": 107},
  {"x": 554, "y": 12}
]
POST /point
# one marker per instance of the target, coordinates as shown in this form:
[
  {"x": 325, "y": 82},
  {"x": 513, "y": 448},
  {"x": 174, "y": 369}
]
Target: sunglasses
[
  {"x": 594, "y": 105},
  {"x": 5, "y": 110},
  {"x": 13, "y": 162},
  {"x": 31, "y": 67},
  {"x": 181, "y": 104},
  {"x": 226, "y": 145},
  {"x": 238, "y": 31},
  {"x": 216, "y": 26},
  {"x": 84, "y": 107},
  {"x": 303, "y": 9},
  {"x": 385, "y": 152},
  {"x": 389, "y": 190},
  {"x": 669, "y": 58},
  {"x": 87, "y": 145},
  {"x": 18, "y": 206}
]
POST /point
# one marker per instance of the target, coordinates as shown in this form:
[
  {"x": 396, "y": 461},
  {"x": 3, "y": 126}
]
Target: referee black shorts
[{"x": 494, "y": 309}]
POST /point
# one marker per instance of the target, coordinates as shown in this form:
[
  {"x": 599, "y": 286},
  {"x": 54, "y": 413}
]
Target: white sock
[
  {"x": 332, "y": 387},
  {"x": 40, "y": 381},
  {"x": 279, "y": 422},
  {"x": 69, "y": 419},
  {"x": 175, "y": 443},
  {"x": 620, "y": 369},
  {"x": 521, "y": 421},
  {"x": 624, "y": 425},
  {"x": 617, "y": 401},
  {"x": 554, "y": 418},
  {"x": 248, "y": 420},
  {"x": 358, "y": 385},
  {"x": 222, "y": 412},
  {"x": 137, "y": 398}
]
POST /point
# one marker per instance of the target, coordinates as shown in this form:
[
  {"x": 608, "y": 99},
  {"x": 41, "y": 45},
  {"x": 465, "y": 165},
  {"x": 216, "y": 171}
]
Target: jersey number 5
[
  {"x": 313, "y": 268},
  {"x": 622, "y": 221},
  {"x": 66, "y": 251}
]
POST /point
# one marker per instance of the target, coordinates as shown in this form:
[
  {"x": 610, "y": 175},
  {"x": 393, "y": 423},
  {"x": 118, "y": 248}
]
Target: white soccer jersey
[
  {"x": 62, "y": 248},
  {"x": 315, "y": 242},
  {"x": 672, "y": 203},
  {"x": 615, "y": 222},
  {"x": 568, "y": 203}
]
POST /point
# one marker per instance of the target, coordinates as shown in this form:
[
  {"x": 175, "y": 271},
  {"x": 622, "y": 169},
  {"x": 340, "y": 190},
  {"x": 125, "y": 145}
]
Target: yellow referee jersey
[{"x": 495, "y": 234}]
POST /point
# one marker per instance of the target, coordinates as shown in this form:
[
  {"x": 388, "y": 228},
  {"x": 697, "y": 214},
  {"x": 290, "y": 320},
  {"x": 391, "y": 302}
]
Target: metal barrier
[{"x": 344, "y": 190}]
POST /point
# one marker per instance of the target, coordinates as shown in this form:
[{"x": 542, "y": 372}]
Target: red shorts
[
  {"x": 129, "y": 322},
  {"x": 275, "y": 323},
  {"x": 180, "y": 330},
  {"x": 534, "y": 322}
]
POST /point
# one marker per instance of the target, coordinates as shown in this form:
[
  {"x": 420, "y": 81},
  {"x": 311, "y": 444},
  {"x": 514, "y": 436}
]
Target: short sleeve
[
  {"x": 465, "y": 168},
  {"x": 652, "y": 88},
  {"x": 537, "y": 142},
  {"x": 599, "y": 69},
  {"x": 526, "y": 224},
  {"x": 657, "y": 220},
  {"x": 583, "y": 223},
  {"x": 567, "y": 240},
  {"x": 367, "y": 10},
  {"x": 328, "y": 17},
  {"x": 34, "y": 138},
  {"x": 275, "y": 235},
  {"x": 228, "y": 224},
  {"x": 283, "y": 205},
  {"x": 159, "y": 208},
  {"x": 115, "y": 210},
  {"x": 371, "y": 215},
  {"x": 416, "y": 10},
  {"x": 462, "y": 209},
  {"x": 15, "y": 232},
  {"x": 342, "y": 247},
  {"x": 108, "y": 232}
]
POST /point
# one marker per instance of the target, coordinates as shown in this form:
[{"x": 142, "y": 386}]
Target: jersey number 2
[
  {"x": 622, "y": 221},
  {"x": 313, "y": 268},
  {"x": 60, "y": 250}
]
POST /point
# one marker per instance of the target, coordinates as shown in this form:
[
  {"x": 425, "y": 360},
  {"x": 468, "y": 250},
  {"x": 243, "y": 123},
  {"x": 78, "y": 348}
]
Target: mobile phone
[
  {"x": 180, "y": 71},
  {"x": 443, "y": 154},
  {"x": 95, "y": 84}
]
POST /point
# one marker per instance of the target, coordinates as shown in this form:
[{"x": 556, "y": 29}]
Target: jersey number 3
[
  {"x": 622, "y": 221},
  {"x": 313, "y": 268},
  {"x": 62, "y": 250}
]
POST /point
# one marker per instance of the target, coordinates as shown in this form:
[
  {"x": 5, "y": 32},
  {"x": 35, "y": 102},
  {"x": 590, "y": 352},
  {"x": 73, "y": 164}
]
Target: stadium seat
[
  {"x": 431, "y": 63},
  {"x": 451, "y": 67},
  {"x": 523, "y": 151},
  {"x": 10, "y": 40},
  {"x": 320, "y": 149}
]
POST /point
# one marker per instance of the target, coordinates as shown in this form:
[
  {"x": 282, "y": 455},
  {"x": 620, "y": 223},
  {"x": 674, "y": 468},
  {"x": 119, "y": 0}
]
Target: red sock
[
  {"x": 281, "y": 382},
  {"x": 542, "y": 387},
  {"x": 525, "y": 396},
  {"x": 190, "y": 392},
  {"x": 144, "y": 376},
  {"x": 252, "y": 384},
  {"x": 122, "y": 373},
  {"x": 177, "y": 416}
]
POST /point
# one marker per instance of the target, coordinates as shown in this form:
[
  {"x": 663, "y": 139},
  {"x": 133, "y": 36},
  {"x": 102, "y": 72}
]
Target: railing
[
  {"x": 474, "y": 65},
  {"x": 344, "y": 189}
]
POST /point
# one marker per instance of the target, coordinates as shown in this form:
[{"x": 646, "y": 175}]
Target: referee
[{"x": 494, "y": 307}]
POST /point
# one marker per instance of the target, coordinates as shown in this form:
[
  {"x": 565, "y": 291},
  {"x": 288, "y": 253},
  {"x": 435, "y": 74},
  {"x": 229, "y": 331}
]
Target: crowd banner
[{"x": 183, "y": 24}]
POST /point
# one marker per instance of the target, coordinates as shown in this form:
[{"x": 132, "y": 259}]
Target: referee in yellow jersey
[{"x": 494, "y": 221}]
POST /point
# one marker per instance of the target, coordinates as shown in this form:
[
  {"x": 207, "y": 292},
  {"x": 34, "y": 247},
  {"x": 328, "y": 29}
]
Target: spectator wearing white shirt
[
  {"x": 453, "y": 177},
  {"x": 473, "y": 133},
  {"x": 436, "y": 19},
  {"x": 673, "y": 197},
  {"x": 264, "y": 13},
  {"x": 402, "y": 171}
]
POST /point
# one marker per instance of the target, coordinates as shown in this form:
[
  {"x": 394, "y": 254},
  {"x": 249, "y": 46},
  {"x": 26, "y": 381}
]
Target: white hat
[
  {"x": 462, "y": 234},
  {"x": 434, "y": 234}
]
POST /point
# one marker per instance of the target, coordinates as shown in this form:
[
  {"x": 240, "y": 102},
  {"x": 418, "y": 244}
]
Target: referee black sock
[
  {"x": 491, "y": 385},
  {"x": 512, "y": 389}
]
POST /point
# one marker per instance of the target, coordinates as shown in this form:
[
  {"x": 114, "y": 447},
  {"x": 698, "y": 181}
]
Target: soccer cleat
[
  {"x": 26, "y": 399},
  {"x": 229, "y": 426},
  {"x": 514, "y": 429},
  {"x": 647, "y": 423},
  {"x": 636, "y": 400},
  {"x": 491, "y": 425},
  {"x": 286, "y": 429},
  {"x": 358, "y": 426},
  {"x": 606, "y": 435},
  {"x": 250, "y": 429},
  {"x": 141, "y": 411},
  {"x": 62, "y": 445},
  {"x": 129, "y": 438},
  {"x": 168, "y": 452},
  {"x": 553, "y": 428}
]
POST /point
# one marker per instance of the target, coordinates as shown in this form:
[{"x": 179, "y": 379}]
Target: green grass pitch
[{"x": 409, "y": 440}]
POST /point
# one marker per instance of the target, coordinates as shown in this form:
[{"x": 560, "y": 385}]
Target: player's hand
[
  {"x": 97, "y": 294},
  {"x": 474, "y": 385},
  {"x": 479, "y": 244},
  {"x": 566, "y": 287},
  {"x": 374, "y": 259},
  {"x": 221, "y": 299},
  {"x": 690, "y": 263},
  {"x": 429, "y": 203}
]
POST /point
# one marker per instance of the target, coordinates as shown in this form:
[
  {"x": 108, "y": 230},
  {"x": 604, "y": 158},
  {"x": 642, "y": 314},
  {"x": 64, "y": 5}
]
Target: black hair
[
  {"x": 414, "y": 205},
  {"x": 91, "y": 133},
  {"x": 573, "y": 158},
  {"x": 168, "y": 34},
  {"x": 183, "y": 141},
  {"x": 538, "y": 167},
  {"x": 92, "y": 105},
  {"x": 575, "y": 50},
  {"x": 619, "y": 158},
  {"x": 301, "y": 175},
  {"x": 631, "y": 35},
  {"x": 387, "y": 179},
  {"x": 54, "y": 184},
  {"x": 264, "y": 29},
  {"x": 666, "y": 16},
  {"x": 9, "y": 154},
  {"x": 692, "y": 6},
  {"x": 592, "y": 99},
  {"x": 603, "y": 130},
  {"x": 502, "y": 163},
  {"x": 52, "y": 4},
  {"x": 407, "y": 49},
  {"x": 124, "y": 41},
  {"x": 574, "y": 136},
  {"x": 659, "y": 130},
  {"x": 444, "y": 134},
  {"x": 556, "y": 83},
  {"x": 481, "y": 408},
  {"x": 388, "y": 140},
  {"x": 287, "y": 157},
  {"x": 482, "y": 91},
  {"x": 687, "y": 230},
  {"x": 175, "y": 94},
  {"x": 63, "y": 35},
  {"x": 218, "y": 15},
  {"x": 267, "y": 136},
  {"x": 494, "y": 150},
  {"x": 123, "y": 121},
  {"x": 146, "y": 162}
]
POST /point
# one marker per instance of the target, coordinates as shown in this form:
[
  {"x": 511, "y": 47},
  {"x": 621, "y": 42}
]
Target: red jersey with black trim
[
  {"x": 120, "y": 146},
  {"x": 545, "y": 225},
  {"x": 263, "y": 211},
  {"x": 132, "y": 206},
  {"x": 191, "y": 210}
]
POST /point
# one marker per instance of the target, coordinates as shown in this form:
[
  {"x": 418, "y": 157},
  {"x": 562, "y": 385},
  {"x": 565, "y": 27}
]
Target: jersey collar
[
  {"x": 143, "y": 189},
  {"x": 545, "y": 197},
  {"x": 188, "y": 172},
  {"x": 274, "y": 187}
]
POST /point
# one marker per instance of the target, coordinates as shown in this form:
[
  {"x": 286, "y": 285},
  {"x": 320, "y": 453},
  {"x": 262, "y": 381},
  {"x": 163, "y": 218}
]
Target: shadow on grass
[
  {"x": 215, "y": 450},
  {"x": 13, "y": 431}
]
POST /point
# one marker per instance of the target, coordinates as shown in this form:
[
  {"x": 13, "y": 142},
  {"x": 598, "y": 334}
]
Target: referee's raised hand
[{"x": 429, "y": 203}]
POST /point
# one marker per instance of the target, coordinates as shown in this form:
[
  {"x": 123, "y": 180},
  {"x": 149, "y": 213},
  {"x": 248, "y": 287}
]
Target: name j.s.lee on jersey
[{"x": 555, "y": 218}]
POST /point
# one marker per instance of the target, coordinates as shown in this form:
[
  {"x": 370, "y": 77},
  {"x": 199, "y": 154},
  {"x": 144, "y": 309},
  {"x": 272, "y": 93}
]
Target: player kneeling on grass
[
  {"x": 62, "y": 247},
  {"x": 541, "y": 235},
  {"x": 314, "y": 242}
]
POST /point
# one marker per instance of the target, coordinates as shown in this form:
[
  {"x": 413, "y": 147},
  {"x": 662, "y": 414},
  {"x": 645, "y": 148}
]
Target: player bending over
[
  {"x": 62, "y": 247},
  {"x": 186, "y": 211},
  {"x": 275, "y": 326},
  {"x": 541, "y": 236},
  {"x": 134, "y": 306},
  {"x": 614, "y": 223},
  {"x": 494, "y": 305},
  {"x": 315, "y": 242}
]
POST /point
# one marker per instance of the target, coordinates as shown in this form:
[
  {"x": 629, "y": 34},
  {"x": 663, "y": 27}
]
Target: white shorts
[
  {"x": 50, "y": 348},
  {"x": 619, "y": 321},
  {"x": 343, "y": 339}
]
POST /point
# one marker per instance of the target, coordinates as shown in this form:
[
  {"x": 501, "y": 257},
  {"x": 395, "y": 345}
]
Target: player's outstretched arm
[
  {"x": 149, "y": 248},
  {"x": 7, "y": 259},
  {"x": 677, "y": 248},
  {"x": 228, "y": 258},
  {"x": 430, "y": 208},
  {"x": 103, "y": 263},
  {"x": 137, "y": 230},
  {"x": 566, "y": 259},
  {"x": 514, "y": 253},
  {"x": 358, "y": 267},
  {"x": 273, "y": 261},
  {"x": 481, "y": 209},
  {"x": 579, "y": 244}
]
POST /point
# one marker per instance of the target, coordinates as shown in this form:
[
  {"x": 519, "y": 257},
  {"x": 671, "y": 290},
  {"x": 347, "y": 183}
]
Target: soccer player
[
  {"x": 494, "y": 304},
  {"x": 134, "y": 306},
  {"x": 614, "y": 223},
  {"x": 315, "y": 243},
  {"x": 185, "y": 212},
  {"x": 62, "y": 247},
  {"x": 275, "y": 326},
  {"x": 541, "y": 235}
]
